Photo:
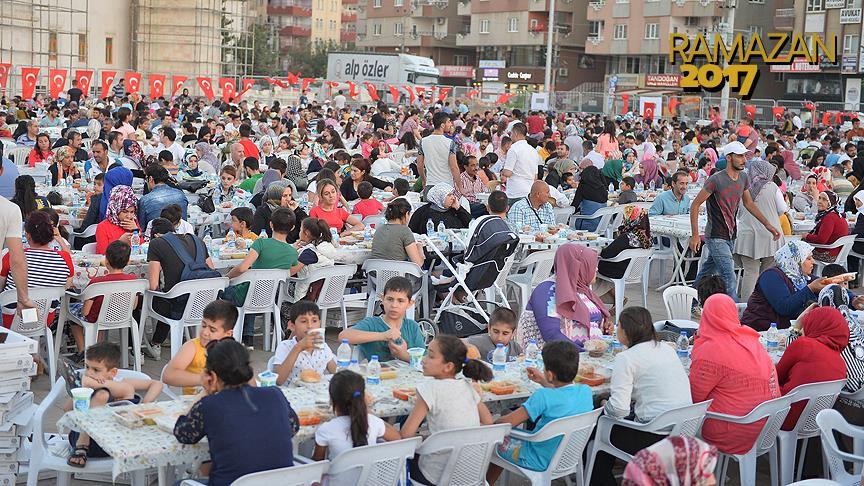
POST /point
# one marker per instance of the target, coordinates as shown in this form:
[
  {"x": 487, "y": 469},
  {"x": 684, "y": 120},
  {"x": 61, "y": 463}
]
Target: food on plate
[
  {"x": 585, "y": 368},
  {"x": 388, "y": 375},
  {"x": 489, "y": 385},
  {"x": 527, "y": 229},
  {"x": 404, "y": 393},
  {"x": 310, "y": 376},
  {"x": 309, "y": 417},
  {"x": 591, "y": 236},
  {"x": 502, "y": 388},
  {"x": 595, "y": 347},
  {"x": 843, "y": 277},
  {"x": 591, "y": 379},
  {"x": 553, "y": 230},
  {"x": 473, "y": 352}
]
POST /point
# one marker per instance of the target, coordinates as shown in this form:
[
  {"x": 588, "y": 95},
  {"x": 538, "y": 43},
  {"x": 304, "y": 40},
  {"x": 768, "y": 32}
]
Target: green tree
[
  {"x": 311, "y": 59},
  {"x": 265, "y": 56}
]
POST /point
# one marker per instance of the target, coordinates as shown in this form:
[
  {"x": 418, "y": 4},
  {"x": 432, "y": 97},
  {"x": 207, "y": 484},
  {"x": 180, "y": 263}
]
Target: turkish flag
[
  {"x": 157, "y": 86},
  {"x": 777, "y": 111},
  {"x": 306, "y": 83},
  {"x": 206, "y": 86},
  {"x": 648, "y": 110},
  {"x": 177, "y": 82},
  {"x": 29, "y": 78},
  {"x": 292, "y": 79},
  {"x": 276, "y": 82},
  {"x": 394, "y": 92},
  {"x": 751, "y": 111},
  {"x": 332, "y": 84},
  {"x": 229, "y": 89},
  {"x": 247, "y": 85},
  {"x": 57, "y": 82},
  {"x": 826, "y": 118},
  {"x": 809, "y": 106},
  {"x": 442, "y": 95},
  {"x": 505, "y": 97},
  {"x": 838, "y": 118},
  {"x": 352, "y": 90},
  {"x": 625, "y": 103},
  {"x": 107, "y": 81},
  {"x": 432, "y": 94},
  {"x": 85, "y": 79},
  {"x": 373, "y": 93},
  {"x": 5, "y": 67},
  {"x": 133, "y": 82},
  {"x": 421, "y": 92},
  {"x": 673, "y": 106},
  {"x": 411, "y": 95},
  {"x": 471, "y": 94}
]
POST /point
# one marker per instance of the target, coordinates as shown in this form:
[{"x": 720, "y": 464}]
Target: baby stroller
[{"x": 489, "y": 253}]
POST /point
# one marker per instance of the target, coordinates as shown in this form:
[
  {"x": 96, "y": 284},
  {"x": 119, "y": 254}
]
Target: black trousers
[{"x": 628, "y": 440}]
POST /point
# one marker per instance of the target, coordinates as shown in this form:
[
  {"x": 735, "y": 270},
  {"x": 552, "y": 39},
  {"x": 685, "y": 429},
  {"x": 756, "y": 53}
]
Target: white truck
[{"x": 379, "y": 68}]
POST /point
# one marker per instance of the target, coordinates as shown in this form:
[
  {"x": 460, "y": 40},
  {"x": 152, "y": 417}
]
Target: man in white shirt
[
  {"x": 339, "y": 101},
  {"x": 594, "y": 156},
  {"x": 436, "y": 157},
  {"x": 520, "y": 166},
  {"x": 168, "y": 143}
]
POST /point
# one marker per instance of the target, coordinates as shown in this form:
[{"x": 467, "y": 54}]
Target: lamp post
[{"x": 547, "y": 80}]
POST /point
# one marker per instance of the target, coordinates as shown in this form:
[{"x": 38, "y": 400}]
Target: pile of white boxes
[{"x": 16, "y": 401}]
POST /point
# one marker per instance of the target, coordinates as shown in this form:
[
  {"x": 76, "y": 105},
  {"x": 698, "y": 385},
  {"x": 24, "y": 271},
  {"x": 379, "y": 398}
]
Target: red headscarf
[
  {"x": 720, "y": 329},
  {"x": 826, "y": 325},
  {"x": 575, "y": 269}
]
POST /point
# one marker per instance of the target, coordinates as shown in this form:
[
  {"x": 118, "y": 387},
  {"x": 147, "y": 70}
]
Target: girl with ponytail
[
  {"x": 353, "y": 426},
  {"x": 314, "y": 250}
]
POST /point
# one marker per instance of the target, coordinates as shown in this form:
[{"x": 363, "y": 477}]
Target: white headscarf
[{"x": 789, "y": 259}]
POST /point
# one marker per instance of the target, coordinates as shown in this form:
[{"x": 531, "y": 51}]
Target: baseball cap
[{"x": 735, "y": 148}]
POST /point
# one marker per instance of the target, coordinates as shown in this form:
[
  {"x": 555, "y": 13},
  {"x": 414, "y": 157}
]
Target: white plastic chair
[
  {"x": 332, "y": 295},
  {"x": 774, "y": 413},
  {"x": 19, "y": 155},
  {"x": 297, "y": 475},
  {"x": 167, "y": 390},
  {"x": 469, "y": 450},
  {"x": 118, "y": 300},
  {"x": 271, "y": 363},
  {"x": 815, "y": 482},
  {"x": 819, "y": 396},
  {"x": 574, "y": 433},
  {"x": 261, "y": 299},
  {"x": 376, "y": 220},
  {"x": 685, "y": 421},
  {"x": 858, "y": 443},
  {"x": 42, "y": 298},
  {"x": 607, "y": 215},
  {"x": 496, "y": 292},
  {"x": 89, "y": 249},
  {"x": 636, "y": 272},
  {"x": 678, "y": 300},
  {"x": 562, "y": 215},
  {"x": 844, "y": 243},
  {"x": 375, "y": 465},
  {"x": 859, "y": 256},
  {"x": 201, "y": 292},
  {"x": 379, "y": 272},
  {"x": 532, "y": 270},
  {"x": 830, "y": 422},
  {"x": 88, "y": 232}
]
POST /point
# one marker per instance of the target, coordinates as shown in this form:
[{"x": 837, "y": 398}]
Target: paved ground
[{"x": 259, "y": 361}]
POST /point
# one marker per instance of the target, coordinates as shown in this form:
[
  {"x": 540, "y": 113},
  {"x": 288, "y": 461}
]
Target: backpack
[{"x": 193, "y": 268}]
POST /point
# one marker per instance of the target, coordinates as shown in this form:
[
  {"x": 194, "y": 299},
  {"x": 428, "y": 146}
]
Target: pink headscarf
[
  {"x": 789, "y": 165},
  {"x": 651, "y": 169},
  {"x": 722, "y": 339},
  {"x": 575, "y": 268}
]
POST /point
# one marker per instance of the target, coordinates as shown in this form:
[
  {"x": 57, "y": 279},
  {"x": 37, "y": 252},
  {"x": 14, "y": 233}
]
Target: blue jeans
[{"x": 717, "y": 259}]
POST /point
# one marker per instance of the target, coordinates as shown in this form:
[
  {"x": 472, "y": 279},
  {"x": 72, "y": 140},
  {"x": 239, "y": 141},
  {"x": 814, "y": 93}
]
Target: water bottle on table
[
  {"x": 135, "y": 242},
  {"x": 208, "y": 243},
  {"x": 231, "y": 240},
  {"x": 442, "y": 231},
  {"x": 373, "y": 371},
  {"x": 772, "y": 338},
  {"x": 334, "y": 236},
  {"x": 343, "y": 355},
  {"x": 263, "y": 234},
  {"x": 682, "y": 346},
  {"x": 532, "y": 354},
  {"x": 430, "y": 228},
  {"x": 499, "y": 358}
]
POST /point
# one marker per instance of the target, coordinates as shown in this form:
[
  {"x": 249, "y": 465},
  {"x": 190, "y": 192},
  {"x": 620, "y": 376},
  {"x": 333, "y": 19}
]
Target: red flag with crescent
[
  {"x": 206, "y": 87},
  {"x": 625, "y": 103},
  {"x": 778, "y": 111},
  {"x": 471, "y": 94},
  {"x": 411, "y": 95},
  {"x": 5, "y": 67},
  {"x": 157, "y": 86},
  {"x": 394, "y": 92},
  {"x": 56, "y": 82},
  {"x": 826, "y": 118},
  {"x": 276, "y": 82},
  {"x": 432, "y": 90},
  {"x": 648, "y": 110},
  {"x": 673, "y": 106},
  {"x": 352, "y": 90},
  {"x": 421, "y": 93},
  {"x": 247, "y": 85},
  {"x": 29, "y": 78},
  {"x": 85, "y": 79},
  {"x": 107, "y": 81},
  {"x": 809, "y": 106},
  {"x": 442, "y": 94},
  {"x": 229, "y": 89},
  {"x": 838, "y": 118},
  {"x": 505, "y": 97},
  {"x": 177, "y": 83},
  {"x": 306, "y": 83},
  {"x": 332, "y": 84},
  {"x": 133, "y": 82},
  {"x": 751, "y": 111},
  {"x": 292, "y": 79},
  {"x": 373, "y": 92}
]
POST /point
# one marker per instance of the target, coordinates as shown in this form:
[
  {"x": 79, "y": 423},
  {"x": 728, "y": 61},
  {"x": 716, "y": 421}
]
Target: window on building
[
  {"x": 652, "y": 31},
  {"x": 513, "y": 24},
  {"x": 620, "y": 32},
  {"x": 398, "y": 3},
  {"x": 332, "y": 25},
  {"x": 853, "y": 3},
  {"x": 815, "y": 6},
  {"x": 376, "y": 3},
  {"x": 52, "y": 46},
  {"x": 398, "y": 28},
  {"x": 376, "y": 29},
  {"x": 484, "y": 26},
  {"x": 460, "y": 60},
  {"x": 851, "y": 43},
  {"x": 622, "y": 1},
  {"x": 82, "y": 48},
  {"x": 595, "y": 28},
  {"x": 109, "y": 50},
  {"x": 532, "y": 24},
  {"x": 631, "y": 65}
]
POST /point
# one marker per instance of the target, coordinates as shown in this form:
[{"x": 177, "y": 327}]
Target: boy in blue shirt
[
  {"x": 558, "y": 398},
  {"x": 390, "y": 335}
]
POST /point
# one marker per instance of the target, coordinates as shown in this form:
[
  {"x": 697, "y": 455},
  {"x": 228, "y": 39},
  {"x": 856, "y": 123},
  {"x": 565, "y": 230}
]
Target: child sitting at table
[
  {"x": 353, "y": 425},
  {"x": 558, "y": 398},
  {"x": 248, "y": 429},
  {"x": 305, "y": 350},
  {"x": 116, "y": 259},
  {"x": 174, "y": 214},
  {"x": 241, "y": 221},
  {"x": 92, "y": 203},
  {"x": 627, "y": 195},
  {"x": 100, "y": 374},
  {"x": 367, "y": 205},
  {"x": 568, "y": 181},
  {"x": 390, "y": 335},
  {"x": 501, "y": 329},
  {"x": 187, "y": 367},
  {"x": 446, "y": 402},
  {"x": 401, "y": 187}
]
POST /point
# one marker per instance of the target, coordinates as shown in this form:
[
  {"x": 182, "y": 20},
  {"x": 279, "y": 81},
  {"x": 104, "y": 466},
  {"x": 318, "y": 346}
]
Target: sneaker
[{"x": 151, "y": 351}]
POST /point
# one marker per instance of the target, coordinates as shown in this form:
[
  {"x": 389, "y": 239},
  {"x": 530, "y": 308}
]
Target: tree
[
  {"x": 265, "y": 56},
  {"x": 311, "y": 59}
]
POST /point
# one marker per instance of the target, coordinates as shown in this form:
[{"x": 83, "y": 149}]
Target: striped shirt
[{"x": 45, "y": 268}]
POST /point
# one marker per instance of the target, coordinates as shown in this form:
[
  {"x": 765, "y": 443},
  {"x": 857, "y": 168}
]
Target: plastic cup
[
  {"x": 416, "y": 356},
  {"x": 320, "y": 332},
  {"x": 267, "y": 378},
  {"x": 81, "y": 398}
]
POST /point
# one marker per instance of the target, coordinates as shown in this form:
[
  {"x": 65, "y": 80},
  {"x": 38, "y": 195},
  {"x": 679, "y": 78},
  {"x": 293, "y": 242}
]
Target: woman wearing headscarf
[
  {"x": 590, "y": 196},
  {"x": 730, "y": 367},
  {"x": 830, "y": 226},
  {"x": 120, "y": 220},
  {"x": 118, "y": 176},
  {"x": 613, "y": 169},
  {"x": 784, "y": 290},
  {"x": 754, "y": 247},
  {"x": 294, "y": 172},
  {"x": 444, "y": 205},
  {"x": 674, "y": 461},
  {"x": 207, "y": 160},
  {"x": 564, "y": 306},
  {"x": 634, "y": 233},
  {"x": 648, "y": 171},
  {"x": 857, "y": 202},
  {"x": 267, "y": 150},
  {"x": 133, "y": 156},
  {"x": 279, "y": 194}
]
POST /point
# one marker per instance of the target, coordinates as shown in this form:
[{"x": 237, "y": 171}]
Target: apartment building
[{"x": 348, "y": 33}]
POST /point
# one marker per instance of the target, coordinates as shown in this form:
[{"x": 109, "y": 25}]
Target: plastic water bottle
[
  {"x": 231, "y": 240},
  {"x": 354, "y": 366},
  {"x": 442, "y": 230},
  {"x": 373, "y": 371},
  {"x": 24, "y": 238},
  {"x": 611, "y": 188},
  {"x": 499, "y": 358},
  {"x": 430, "y": 228},
  {"x": 68, "y": 181},
  {"x": 208, "y": 243},
  {"x": 532, "y": 352},
  {"x": 772, "y": 338},
  {"x": 76, "y": 198},
  {"x": 651, "y": 185},
  {"x": 343, "y": 355},
  {"x": 334, "y": 236},
  {"x": 263, "y": 234},
  {"x": 135, "y": 242},
  {"x": 682, "y": 346}
]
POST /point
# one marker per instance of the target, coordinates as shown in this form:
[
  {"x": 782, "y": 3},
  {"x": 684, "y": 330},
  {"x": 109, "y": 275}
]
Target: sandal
[{"x": 79, "y": 457}]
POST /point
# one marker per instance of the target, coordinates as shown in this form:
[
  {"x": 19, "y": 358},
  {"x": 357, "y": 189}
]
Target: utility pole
[
  {"x": 550, "y": 32},
  {"x": 729, "y": 20}
]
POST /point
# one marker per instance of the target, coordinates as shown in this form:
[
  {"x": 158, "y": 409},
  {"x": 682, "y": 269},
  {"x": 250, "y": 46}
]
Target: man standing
[
  {"x": 520, "y": 165},
  {"x": 75, "y": 93},
  {"x": 249, "y": 147},
  {"x": 160, "y": 195},
  {"x": 339, "y": 100},
  {"x": 723, "y": 191},
  {"x": 674, "y": 201},
  {"x": 436, "y": 158},
  {"x": 533, "y": 210}
]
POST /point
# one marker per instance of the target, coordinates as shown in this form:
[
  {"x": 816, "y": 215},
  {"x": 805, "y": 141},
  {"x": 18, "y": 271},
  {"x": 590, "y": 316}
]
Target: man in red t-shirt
[
  {"x": 249, "y": 147},
  {"x": 536, "y": 124}
]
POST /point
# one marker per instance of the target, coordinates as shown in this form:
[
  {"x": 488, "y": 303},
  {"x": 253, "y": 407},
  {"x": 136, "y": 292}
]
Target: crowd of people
[{"x": 314, "y": 172}]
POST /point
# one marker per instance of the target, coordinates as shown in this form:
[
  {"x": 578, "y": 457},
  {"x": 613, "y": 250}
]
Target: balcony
[
  {"x": 597, "y": 5},
  {"x": 347, "y": 36},
  {"x": 290, "y": 10},
  {"x": 349, "y": 18},
  {"x": 700, "y": 8},
  {"x": 784, "y": 19},
  {"x": 463, "y": 8},
  {"x": 295, "y": 31}
]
